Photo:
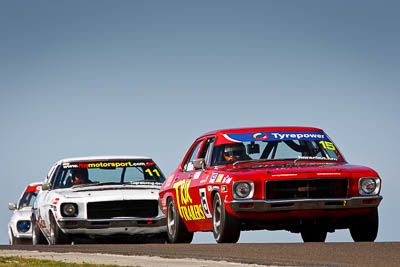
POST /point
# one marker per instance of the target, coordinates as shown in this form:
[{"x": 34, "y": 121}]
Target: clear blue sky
[{"x": 80, "y": 78}]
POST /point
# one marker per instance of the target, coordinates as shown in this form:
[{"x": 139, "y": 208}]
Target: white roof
[
  {"x": 98, "y": 158},
  {"x": 35, "y": 183}
]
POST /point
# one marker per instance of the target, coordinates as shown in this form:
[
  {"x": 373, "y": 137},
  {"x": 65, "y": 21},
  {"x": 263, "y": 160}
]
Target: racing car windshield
[
  {"x": 274, "y": 146},
  {"x": 108, "y": 173},
  {"x": 29, "y": 197}
]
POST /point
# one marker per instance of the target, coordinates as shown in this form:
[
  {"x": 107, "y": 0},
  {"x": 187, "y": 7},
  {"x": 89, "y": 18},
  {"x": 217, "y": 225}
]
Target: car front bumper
[
  {"x": 304, "y": 204},
  {"x": 130, "y": 226},
  {"x": 23, "y": 236}
]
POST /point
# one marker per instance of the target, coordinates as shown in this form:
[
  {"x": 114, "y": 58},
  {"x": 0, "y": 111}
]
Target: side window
[
  {"x": 52, "y": 175},
  {"x": 188, "y": 166},
  {"x": 207, "y": 150}
]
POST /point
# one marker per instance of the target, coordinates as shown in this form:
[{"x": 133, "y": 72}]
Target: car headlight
[
  {"x": 369, "y": 185},
  {"x": 69, "y": 210},
  {"x": 23, "y": 226},
  {"x": 243, "y": 190}
]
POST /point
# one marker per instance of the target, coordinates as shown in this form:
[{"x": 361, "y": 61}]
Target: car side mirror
[
  {"x": 198, "y": 164},
  {"x": 12, "y": 206},
  {"x": 46, "y": 186}
]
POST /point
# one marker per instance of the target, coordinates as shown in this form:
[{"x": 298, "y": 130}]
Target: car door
[
  {"x": 197, "y": 215},
  {"x": 43, "y": 203},
  {"x": 199, "y": 185},
  {"x": 187, "y": 201}
]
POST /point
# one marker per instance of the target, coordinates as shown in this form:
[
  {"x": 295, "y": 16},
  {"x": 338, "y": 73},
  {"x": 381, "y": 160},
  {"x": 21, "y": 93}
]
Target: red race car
[{"x": 274, "y": 178}]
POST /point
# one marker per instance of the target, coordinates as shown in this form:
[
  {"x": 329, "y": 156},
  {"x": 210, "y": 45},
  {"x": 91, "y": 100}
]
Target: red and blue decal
[
  {"x": 260, "y": 136},
  {"x": 32, "y": 188},
  {"x": 273, "y": 136}
]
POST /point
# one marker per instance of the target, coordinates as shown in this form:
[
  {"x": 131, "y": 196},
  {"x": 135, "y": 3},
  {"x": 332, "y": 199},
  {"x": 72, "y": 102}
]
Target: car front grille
[
  {"x": 124, "y": 208},
  {"x": 305, "y": 189}
]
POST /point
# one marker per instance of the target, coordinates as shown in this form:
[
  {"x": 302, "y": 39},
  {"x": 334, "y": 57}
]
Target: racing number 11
[
  {"x": 151, "y": 174},
  {"x": 327, "y": 145}
]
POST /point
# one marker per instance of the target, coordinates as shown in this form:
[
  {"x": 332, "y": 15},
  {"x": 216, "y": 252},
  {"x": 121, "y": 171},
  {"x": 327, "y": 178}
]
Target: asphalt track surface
[{"x": 293, "y": 254}]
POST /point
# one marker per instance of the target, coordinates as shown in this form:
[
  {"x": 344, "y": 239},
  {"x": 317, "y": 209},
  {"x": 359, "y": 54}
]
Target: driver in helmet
[
  {"x": 80, "y": 176},
  {"x": 234, "y": 152}
]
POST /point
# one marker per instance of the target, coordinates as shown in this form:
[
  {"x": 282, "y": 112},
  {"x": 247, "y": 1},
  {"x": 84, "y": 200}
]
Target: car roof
[
  {"x": 35, "y": 184},
  {"x": 262, "y": 129},
  {"x": 98, "y": 158}
]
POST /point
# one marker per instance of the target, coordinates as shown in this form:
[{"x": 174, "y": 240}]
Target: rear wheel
[
  {"x": 56, "y": 235},
  {"x": 313, "y": 234},
  {"x": 176, "y": 228},
  {"x": 365, "y": 228},
  {"x": 225, "y": 226},
  {"x": 37, "y": 236}
]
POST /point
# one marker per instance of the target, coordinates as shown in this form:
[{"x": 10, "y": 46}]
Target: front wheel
[
  {"x": 176, "y": 228},
  {"x": 56, "y": 235},
  {"x": 226, "y": 227},
  {"x": 13, "y": 241},
  {"x": 37, "y": 236},
  {"x": 365, "y": 228},
  {"x": 313, "y": 235}
]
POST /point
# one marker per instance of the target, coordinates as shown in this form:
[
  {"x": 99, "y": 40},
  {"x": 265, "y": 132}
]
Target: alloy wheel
[
  {"x": 217, "y": 216},
  {"x": 171, "y": 219}
]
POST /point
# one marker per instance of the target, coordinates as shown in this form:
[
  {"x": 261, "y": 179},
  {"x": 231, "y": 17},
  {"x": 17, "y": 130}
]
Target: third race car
[{"x": 19, "y": 227}]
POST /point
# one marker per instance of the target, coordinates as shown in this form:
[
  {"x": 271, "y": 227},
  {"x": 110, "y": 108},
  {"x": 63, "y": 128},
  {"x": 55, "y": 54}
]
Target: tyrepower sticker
[
  {"x": 272, "y": 136},
  {"x": 186, "y": 209}
]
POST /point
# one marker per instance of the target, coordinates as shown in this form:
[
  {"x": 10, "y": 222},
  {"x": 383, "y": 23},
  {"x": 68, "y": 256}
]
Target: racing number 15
[
  {"x": 151, "y": 174},
  {"x": 327, "y": 145}
]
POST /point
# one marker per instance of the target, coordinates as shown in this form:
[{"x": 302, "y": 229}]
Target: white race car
[
  {"x": 19, "y": 227},
  {"x": 99, "y": 198}
]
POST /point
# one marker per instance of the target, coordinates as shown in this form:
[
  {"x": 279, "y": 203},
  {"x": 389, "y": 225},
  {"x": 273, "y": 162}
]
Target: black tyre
[
  {"x": 226, "y": 227},
  {"x": 313, "y": 235},
  {"x": 56, "y": 235},
  {"x": 37, "y": 235},
  {"x": 176, "y": 228},
  {"x": 365, "y": 228},
  {"x": 14, "y": 241}
]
